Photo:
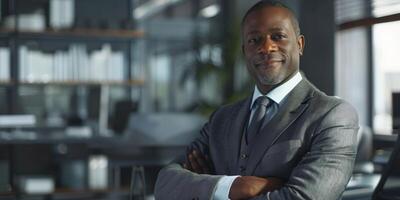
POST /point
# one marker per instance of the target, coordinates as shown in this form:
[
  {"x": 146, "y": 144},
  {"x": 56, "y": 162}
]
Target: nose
[{"x": 268, "y": 46}]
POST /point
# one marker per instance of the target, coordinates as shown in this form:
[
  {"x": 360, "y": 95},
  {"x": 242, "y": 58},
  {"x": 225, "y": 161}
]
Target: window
[
  {"x": 367, "y": 68},
  {"x": 386, "y": 72}
]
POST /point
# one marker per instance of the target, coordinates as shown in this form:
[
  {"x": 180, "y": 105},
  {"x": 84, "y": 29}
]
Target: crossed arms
[
  {"x": 321, "y": 173},
  {"x": 243, "y": 187}
]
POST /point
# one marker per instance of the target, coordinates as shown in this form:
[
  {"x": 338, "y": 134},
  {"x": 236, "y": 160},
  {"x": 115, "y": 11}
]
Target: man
[{"x": 286, "y": 141}]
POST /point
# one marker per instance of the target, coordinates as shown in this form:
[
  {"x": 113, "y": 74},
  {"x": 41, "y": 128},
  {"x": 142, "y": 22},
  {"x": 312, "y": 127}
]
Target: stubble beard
[{"x": 269, "y": 79}]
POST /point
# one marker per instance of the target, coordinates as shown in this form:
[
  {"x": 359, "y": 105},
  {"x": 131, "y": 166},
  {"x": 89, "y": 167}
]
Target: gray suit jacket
[{"x": 310, "y": 143}]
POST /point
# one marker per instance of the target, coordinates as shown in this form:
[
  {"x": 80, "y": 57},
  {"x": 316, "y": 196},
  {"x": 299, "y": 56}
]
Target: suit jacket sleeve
[
  {"x": 175, "y": 182},
  {"x": 325, "y": 170}
]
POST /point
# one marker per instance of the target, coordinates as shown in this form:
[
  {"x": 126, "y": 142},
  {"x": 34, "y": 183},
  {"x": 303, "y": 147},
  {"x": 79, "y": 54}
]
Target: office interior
[{"x": 99, "y": 95}]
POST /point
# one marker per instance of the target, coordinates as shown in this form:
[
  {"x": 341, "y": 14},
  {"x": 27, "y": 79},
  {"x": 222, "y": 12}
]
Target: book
[
  {"x": 4, "y": 64},
  {"x": 74, "y": 64}
]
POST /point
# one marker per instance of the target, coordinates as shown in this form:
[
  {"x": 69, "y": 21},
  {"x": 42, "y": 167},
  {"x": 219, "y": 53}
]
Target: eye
[
  {"x": 253, "y": 40},
  {"x": 278, "y": 36}
]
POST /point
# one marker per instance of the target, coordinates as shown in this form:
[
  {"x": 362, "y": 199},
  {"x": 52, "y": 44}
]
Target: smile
[{"x": 269, "y": 63}]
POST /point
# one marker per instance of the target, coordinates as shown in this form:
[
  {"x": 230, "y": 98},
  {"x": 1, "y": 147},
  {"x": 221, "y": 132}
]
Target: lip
[
  {"x": 268, "y": 63},
  {"x": 270, "y": 59}
]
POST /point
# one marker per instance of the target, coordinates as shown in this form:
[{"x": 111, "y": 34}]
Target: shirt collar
[{"x": 280, "y": 92}]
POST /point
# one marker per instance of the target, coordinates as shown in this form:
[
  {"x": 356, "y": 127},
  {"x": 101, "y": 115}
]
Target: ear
[{"x": 300, "y": 43}]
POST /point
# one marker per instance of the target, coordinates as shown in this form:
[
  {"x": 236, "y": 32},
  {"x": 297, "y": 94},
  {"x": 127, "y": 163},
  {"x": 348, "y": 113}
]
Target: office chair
[{"x": 363, "y": 164}]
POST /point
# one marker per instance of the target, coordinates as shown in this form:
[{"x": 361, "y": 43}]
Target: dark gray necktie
[{"x": 261, "y": 104}]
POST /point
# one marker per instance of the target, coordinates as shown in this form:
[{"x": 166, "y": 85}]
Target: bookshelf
[
  {"x": 68, "y": 43},
  {"x": 66, "y": 58}
]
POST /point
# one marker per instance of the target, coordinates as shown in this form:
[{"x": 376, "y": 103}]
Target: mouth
[
  {"x": 264, "y": 61},
  {"x": 269, "y": 63}
]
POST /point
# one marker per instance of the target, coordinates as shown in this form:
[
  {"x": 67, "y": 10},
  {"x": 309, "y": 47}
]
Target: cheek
[
  {"x": 291, "y": 50},
  {"x": 248, "y": 57},
  {"x": 247, "y": 53},
  {"x": 250, "y": 69}
]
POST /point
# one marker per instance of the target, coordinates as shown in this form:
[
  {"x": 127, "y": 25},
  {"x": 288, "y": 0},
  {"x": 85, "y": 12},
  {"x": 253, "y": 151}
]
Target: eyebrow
[
  {"x": 252, "y": 32},
  {"x": 276, "y": 29},
  {"x": 273, "y": 29}
]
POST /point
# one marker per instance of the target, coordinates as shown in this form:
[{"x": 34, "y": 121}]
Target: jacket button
[{"x": 243, "y": 156}]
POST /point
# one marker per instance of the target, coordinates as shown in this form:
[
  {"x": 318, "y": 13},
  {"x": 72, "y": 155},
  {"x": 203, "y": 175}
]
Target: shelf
[
  {"x": 91, "y": 191},
  {"x": 75, "y": 34},
  {"x": 9, "y": 193},
  {"x": 137, "y": 82},
  {"x": 122, "y": 151},
  {"x": 5, "y": 32},
  {"x": 5, "y": 82},
  {"x": 73, "y": 193}
]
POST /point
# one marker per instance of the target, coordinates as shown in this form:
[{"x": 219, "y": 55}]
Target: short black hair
[{"x": 274, "y": 3}]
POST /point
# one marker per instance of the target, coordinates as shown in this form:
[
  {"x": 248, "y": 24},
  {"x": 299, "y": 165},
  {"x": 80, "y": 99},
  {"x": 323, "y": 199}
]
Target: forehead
[{"x": 267, "y": 18}]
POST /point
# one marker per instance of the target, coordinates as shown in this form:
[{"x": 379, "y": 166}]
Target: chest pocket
[{"x": 280, "y": 159}]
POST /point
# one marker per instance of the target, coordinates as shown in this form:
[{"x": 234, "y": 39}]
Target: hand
[
  {"x": 245, "y": 187},
  {"x": 198, "y": 163}
]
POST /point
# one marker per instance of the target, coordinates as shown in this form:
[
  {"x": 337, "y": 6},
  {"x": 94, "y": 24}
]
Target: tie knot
[{"x": 262, "y": 100}]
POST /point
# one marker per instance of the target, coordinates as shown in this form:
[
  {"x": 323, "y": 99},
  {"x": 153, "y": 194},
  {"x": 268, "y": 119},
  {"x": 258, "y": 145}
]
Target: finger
[
  {"x": 273, "y": 184},
  {"x": 195, "y": 166},
  {"x": 188, "y": 163},
  {"x": 201, "y": 160}
]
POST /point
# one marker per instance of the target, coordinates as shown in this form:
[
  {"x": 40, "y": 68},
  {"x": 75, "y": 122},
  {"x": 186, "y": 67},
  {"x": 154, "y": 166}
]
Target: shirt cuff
[{"x": 223, "y": 187}]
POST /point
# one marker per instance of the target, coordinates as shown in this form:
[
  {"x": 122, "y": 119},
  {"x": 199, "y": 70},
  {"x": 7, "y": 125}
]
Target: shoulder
[
  {"x": 331, "y": 102},
  {"x": 334, "y": 109}
]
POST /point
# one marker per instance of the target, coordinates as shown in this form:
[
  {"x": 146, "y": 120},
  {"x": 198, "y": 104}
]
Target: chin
[{"x": 269, "y": 81}]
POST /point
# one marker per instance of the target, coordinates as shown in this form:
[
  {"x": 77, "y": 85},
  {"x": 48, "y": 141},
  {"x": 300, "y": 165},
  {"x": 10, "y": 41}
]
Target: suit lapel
[
  {"x": 237, "y": 122},
  {"x": 295, "y": 105}
]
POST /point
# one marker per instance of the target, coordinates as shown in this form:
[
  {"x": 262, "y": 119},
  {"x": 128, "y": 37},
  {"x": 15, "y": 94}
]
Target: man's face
[{"x": 271, "y": 46}]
